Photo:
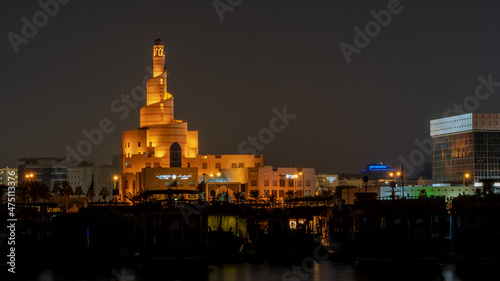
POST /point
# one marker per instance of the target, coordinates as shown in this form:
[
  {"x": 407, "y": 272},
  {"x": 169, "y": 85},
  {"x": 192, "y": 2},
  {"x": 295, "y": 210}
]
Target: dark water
[{"x": 266, "y": 271}]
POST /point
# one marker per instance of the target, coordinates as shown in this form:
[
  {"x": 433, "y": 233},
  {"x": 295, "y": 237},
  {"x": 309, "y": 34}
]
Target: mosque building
[{"x": 162, "y": 153}]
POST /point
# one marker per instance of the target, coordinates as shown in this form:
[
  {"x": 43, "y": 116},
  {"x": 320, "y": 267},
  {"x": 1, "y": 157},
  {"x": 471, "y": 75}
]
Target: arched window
[{"x": 175, "y": 155}]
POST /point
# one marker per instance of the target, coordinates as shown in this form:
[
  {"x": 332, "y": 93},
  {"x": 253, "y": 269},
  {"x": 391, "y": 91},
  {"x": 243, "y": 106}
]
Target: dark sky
[{"x": 228, "y": 75}]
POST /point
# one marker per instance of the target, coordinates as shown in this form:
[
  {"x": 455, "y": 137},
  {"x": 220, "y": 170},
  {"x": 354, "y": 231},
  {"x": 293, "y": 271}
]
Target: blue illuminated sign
[{"x": 379, "y": 167}]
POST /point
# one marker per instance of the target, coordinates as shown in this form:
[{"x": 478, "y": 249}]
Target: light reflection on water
[{"x": 264, "y": 271}]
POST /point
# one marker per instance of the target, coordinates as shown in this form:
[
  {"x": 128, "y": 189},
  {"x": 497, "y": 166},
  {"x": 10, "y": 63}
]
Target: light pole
[
  {"x": 303, "y": 184},
  {"x": 115, "y": 190},
  {"x": 399, "y": 174},
  {"x": 29, "y": 177},
  {"x": 466, "y": 176},
  {"x": 394, "y": 182}
]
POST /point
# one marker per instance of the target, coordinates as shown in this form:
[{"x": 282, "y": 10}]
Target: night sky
[{"x": 227, "y": 76}]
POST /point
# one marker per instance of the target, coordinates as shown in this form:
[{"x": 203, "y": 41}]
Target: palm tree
[
  {"x": 255, "y": 194},
  {"x": 36, "y": 190},
  {"x": 141, "y": 196},
  {"x": 272, "y": 200},
  {"x": 66, "y": 190},
  {"x": 131, "y": 198},
  {"x": 290, "y": 194},
  {"x": 56, "y": 189},
  {"x": 104, "y": 193},
  {"x": 237, "y": 196},
  {"x": 79, "y": 191},
  {"x": 325, "y": 193}
]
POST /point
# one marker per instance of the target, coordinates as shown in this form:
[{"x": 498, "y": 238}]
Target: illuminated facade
[
  {"x": 163, "y": 142},
  {"x": 280, "y": 181},
  {"x": 467, "y": 144}
]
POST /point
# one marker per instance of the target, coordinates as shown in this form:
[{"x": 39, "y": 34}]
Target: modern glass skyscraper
[{"x": 466, "y": 148}]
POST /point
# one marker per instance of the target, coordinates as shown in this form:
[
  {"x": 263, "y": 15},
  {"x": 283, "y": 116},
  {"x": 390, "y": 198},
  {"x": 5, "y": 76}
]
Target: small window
[
  {"x": 253, "y": 182},
  {"x": 308, "y": 183},
  {"x": 257, "y": 165},
  {"x": 218, "y": 166},
  {"x": 266, "y": 182},
  {"x": 128, "y": 165},
  {"x": 204, "y": 165},
  {"x": 148, "y": 164},
  {"x": 241, "y": 165},
  {"x": 291, "y": 182},
  {"x": 299, "y": 183},
  {"x": 191, "y": 184},
  {"x": 139, "y": 144},
  {"x": 282, "y": 182},
  {"x": 275, "y": 183},
  {"x": 180, "y": 183},
  {"x": 234, "y": 165}
]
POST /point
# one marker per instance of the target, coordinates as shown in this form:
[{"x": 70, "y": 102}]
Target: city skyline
[{"x": 231, "y": 74}]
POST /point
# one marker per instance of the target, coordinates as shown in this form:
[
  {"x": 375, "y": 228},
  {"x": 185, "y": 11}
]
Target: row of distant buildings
[
  {"x": 162, "y": 154},
  {"x": 56, "y": 170}
]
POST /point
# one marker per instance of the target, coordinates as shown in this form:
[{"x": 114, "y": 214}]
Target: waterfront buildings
[
  {"x": 55, "y": 170},
  {"x": 163, "y": 154},
  {"x": 278, "y": 182},
  {"x": 82, "y": 173},
  {"x": 466, "y": 148}
]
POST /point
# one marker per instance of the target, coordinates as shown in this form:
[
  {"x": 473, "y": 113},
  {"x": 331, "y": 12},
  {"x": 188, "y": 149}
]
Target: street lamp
[
  {"x": 394, "y": 182},
  {"x": 466, "y": 176},
  {"x": 398, "y": 173},
  {"x": 115, "y": 190},
  {"x": 303, "y": 184},
  {"x": 29, "y": 177}
]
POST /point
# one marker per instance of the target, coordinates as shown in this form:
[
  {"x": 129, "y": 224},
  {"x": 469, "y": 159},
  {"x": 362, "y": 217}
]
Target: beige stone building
[
  {"x": 162, "y": 143},
  {"x": 278, "y": 181}
]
